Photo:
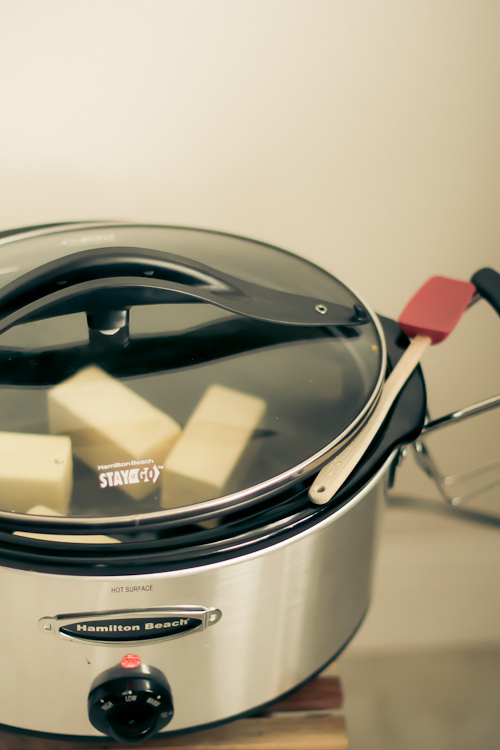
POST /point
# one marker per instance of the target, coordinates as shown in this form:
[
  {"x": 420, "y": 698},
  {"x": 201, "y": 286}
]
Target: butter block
[
  {"x": 110, "y": 424},
  {"x": 42, "y": 510},
  {"x": 212, "y": 442},
  {"x": 35, "y": 469}
]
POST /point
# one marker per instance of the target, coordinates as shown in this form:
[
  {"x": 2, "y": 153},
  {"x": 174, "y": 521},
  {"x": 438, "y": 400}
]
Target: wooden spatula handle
[{"x": 332, "y": 476}]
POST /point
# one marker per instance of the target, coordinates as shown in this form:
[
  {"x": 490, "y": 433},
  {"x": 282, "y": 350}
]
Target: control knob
[{"x": 130, "y": 707}]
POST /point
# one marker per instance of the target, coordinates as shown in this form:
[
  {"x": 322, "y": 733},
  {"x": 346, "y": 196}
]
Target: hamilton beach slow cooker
[{"x": 167, "y": 397}]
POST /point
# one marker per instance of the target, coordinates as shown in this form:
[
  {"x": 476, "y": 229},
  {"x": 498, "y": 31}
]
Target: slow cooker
[{"x": 168, "y": 396}]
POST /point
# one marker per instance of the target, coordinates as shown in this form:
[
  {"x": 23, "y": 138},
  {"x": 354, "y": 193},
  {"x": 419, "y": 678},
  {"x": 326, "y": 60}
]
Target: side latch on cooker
[{"x": 117, "y": 627}]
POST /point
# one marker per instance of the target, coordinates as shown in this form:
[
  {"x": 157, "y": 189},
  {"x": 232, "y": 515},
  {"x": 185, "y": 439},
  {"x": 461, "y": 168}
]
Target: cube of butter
[
  {"x": 110, "y": 424},
  {"x": 42, "y": 510},
  {"x": 211, "y": 444},
  {"x": 35, "y": 469}
]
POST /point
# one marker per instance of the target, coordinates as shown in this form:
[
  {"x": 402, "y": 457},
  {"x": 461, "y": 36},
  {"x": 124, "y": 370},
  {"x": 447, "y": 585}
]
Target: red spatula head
[{"x": 436, "y": 308}]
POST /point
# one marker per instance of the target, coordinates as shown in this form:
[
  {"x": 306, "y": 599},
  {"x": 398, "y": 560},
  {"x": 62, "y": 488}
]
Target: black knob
[{"x": 132, "y": 708}]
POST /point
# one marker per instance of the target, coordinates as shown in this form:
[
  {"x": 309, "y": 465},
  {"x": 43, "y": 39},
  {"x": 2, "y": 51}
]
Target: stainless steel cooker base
[{"x": 286, "y": 610}]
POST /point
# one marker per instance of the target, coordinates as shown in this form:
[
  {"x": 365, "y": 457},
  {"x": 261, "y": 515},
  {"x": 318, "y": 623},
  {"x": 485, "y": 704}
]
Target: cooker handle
[
  {"x": 106, "y": 282},
  {"x": 487, "y": 283}
]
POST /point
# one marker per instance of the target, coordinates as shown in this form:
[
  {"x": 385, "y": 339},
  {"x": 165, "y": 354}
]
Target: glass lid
[{"x": 147, "y": 370}]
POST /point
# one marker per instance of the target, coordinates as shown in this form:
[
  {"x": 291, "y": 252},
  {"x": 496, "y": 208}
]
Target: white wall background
[{"x": 362, "y": 135}]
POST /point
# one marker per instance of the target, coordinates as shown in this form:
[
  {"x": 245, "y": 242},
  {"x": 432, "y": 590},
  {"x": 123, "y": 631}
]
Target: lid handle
[{"x": 107, "y": 281}]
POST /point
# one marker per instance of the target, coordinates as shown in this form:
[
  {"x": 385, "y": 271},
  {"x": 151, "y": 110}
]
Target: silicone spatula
[{"x": 428, "y": 318}]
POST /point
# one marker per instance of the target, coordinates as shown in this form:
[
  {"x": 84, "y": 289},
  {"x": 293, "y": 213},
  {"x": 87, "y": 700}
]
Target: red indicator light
[{"x": 130, "y": 661}]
